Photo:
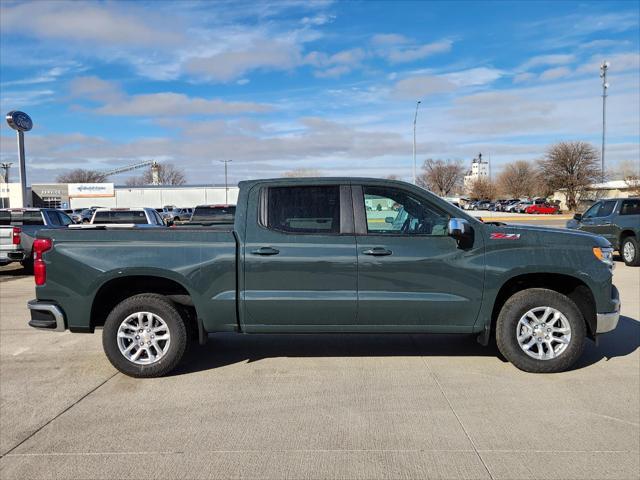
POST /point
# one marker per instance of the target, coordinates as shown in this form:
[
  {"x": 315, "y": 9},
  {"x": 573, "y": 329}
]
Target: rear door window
[
  {"x": 32, "y": 218},
  {"x": 630, "y": 207},
  {"x": 304, "y": 209}
]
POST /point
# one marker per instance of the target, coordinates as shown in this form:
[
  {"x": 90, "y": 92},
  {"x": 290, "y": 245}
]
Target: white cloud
[
  {"x": 389, "y": 39},
  {"x": 422, "y": 86},
  {"x": 545, "y": 60},
  {"x": 474, "y": 76},
  {"x": 555, "y": 73},
  {"x": 85, "y": 22},
  {"x": 115, "y": 102},
  {"x": 337, "y": 64},
  {"x": 405, "y": 54},
  {"x": 523, "y": 77},
  {"x": 262, "y": 54}
]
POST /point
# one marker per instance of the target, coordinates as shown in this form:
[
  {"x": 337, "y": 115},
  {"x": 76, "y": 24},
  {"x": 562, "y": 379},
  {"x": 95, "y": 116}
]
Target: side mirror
[
  {"x": 389, "y": 219},
  {"x": 577, "y": 216},
  {"x": 458, "y": 228}
]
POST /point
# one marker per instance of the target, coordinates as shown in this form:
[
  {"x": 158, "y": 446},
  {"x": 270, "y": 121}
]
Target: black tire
[
  {"x": 165, "y": 309},
  {"x": 634, "y": 260},
  {"x": 507, "y": 325},
  {"x": 27, "y": 265}
]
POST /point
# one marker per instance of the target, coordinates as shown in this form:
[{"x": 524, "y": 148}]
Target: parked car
[
  {"x": 127, "y": 216},
  {"x": 542, "y": 208},
  {"x": 305, "y": 255},
  {"x": 224, "y": 214},
  {"x": 29, "y": 221},
  {"x": 617, "y": 220}
]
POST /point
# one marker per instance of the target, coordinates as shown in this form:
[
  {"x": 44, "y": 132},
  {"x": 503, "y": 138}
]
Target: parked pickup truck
[
  {"x": 617, "y": 220},
  {"x": 327, "y": 255},
  {"x": 29, "y": 221}
]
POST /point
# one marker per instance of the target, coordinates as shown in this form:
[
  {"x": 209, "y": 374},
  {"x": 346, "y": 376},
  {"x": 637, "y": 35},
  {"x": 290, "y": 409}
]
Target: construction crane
[
  {"x": 128, "y": 168},
  {"x": 155, "y": 170}
]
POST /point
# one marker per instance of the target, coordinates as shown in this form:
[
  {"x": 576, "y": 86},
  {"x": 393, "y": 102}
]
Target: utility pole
[
  {"x": 605, "y": 85},
  {"x": 415, "y": 119},
  {"x": 226, "y": 187}
]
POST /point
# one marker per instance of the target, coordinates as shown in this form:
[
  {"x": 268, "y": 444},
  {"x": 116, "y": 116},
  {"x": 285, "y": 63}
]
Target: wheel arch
[
  {"x": 572, "y": 287},
  {"x": 117, "y": 289}
]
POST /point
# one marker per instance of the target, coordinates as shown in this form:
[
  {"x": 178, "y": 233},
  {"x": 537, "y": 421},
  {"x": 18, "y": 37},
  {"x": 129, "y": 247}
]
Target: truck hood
[{"x": 553, "y": 236}]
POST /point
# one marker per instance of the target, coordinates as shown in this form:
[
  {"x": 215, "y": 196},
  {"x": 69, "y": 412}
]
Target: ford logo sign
[{"x": 19, "y": 121}]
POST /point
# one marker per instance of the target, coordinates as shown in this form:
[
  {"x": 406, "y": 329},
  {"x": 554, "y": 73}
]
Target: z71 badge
[{"x": 504, "y": 236}]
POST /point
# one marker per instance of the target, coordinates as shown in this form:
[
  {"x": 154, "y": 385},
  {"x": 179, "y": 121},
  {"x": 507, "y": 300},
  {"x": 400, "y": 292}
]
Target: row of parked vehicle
[
  {"x": 515, "y": 205},
  {"x": 19, "y": 226}
]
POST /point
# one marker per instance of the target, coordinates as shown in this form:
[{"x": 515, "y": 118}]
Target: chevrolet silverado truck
[
  {"x": 617, "y": 220},
  {"x": 328, "y": 255}
]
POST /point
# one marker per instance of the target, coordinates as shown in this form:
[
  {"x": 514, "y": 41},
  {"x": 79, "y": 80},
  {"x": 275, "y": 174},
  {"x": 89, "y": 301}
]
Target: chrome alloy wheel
[
  {"x": 143, "y": 338},
  {"x": 543, "y": 333},
  {"x": 629, "y": 252}
]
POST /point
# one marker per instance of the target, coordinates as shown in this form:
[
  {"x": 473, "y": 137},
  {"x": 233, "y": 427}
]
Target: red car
[{"x": 542, "y": 208}]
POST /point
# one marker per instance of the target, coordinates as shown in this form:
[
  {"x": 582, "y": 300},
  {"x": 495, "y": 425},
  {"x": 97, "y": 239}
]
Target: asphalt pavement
[{"x": 316, "y": 406}]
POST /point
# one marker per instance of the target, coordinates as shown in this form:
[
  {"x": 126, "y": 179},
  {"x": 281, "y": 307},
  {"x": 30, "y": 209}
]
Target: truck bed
[{"x": 83, "y": 262}]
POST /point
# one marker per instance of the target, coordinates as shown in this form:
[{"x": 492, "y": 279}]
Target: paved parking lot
[{"x": 311, "y": 406}]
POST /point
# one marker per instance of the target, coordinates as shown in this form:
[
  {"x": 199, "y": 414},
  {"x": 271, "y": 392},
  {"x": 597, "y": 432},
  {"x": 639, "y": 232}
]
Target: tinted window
[
  {"x": 396, "y": 212},
  {"x": 124, "y": 216},
  {"x": 32, "y": 218},
  {"x": 304, "y": 209},
  {"x": 630, "y": 207},
  {"x": 54, "y": 219},
  {"x": 607, "y": 208},
  {"x": 218, "y": 214},
  {"x": 65, "y": 219},
  {"x": 592, "y": 211}
]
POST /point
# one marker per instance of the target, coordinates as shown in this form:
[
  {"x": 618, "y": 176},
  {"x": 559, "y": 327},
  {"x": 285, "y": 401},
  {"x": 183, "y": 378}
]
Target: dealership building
[{"x": 80, "y": 195}]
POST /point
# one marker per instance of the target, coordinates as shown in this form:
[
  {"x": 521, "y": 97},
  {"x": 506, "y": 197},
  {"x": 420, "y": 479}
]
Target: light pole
[
  {"x": 6, "y": 166},
  {"x": 226, "y": 188},
  {"x": 605, "y": 85},
  {"x": 415, "y": 119}
]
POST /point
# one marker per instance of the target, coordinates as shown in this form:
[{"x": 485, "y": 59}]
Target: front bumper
[
  {"x": 46, "y": 316},
  {"x": 605, "y": 322}
]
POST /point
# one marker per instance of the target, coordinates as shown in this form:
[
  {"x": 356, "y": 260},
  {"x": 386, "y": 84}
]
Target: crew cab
[
  {"x": 328, "y": 255},
  {"x": 617, "y": 220}
]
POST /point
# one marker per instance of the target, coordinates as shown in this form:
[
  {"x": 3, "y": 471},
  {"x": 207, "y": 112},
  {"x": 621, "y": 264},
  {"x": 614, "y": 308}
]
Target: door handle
[
  {"x": 377, "y": 252},
  {"x": 266, "y": 251}
]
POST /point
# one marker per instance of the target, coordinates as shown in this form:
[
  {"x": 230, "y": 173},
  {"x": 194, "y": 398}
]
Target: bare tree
[
  {"x": 80, "y": 175},
  {"x": 167, "y": 175},
  {"x": 518, "y": 179},
  {"x": 630, "y": 173},
  {"x": 302, "y": 172},
  {"x": 440, "y": 176},
  {"x": 483, "y": 189},
  {"x": 571, "y": 167},
  {"x": 392, "y": 177}
]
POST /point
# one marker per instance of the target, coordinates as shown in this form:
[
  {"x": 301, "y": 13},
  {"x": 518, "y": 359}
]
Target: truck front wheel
[
  {"x": 540, "y": 331},
  {"x": 144, "y": 336}
]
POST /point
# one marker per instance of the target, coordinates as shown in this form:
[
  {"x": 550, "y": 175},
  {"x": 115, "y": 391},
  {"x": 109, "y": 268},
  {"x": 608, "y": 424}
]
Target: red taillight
[
  {"x": 15, "y": 235},
  {"x": 40, "y": 245}
]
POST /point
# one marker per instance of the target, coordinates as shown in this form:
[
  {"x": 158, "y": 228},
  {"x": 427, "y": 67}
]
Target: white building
[
  {"x": 479, "y": 169},
  {"x": 81, "y": 195}
]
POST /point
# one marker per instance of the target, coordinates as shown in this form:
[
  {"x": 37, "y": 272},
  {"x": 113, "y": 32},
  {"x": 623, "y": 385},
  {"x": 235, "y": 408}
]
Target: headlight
[{"x": 605, "y": 255}]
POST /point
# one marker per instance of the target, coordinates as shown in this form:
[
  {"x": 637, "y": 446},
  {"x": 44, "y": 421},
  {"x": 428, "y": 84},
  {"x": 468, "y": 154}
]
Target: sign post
[{"x": 21, "y": 122}]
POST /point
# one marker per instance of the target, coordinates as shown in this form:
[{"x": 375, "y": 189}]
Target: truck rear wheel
[
  {"x": 630, "y": 251},
  {"x": 144, "y": 336},
  {"x": 540, "y": 331}
]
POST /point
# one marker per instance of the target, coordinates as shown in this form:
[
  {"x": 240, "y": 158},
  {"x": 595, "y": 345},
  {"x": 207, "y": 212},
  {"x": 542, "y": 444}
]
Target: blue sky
[{"x": 331, "y": 86}]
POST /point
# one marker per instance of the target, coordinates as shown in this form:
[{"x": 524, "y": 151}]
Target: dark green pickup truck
[{"x": 328, "y": 255}]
